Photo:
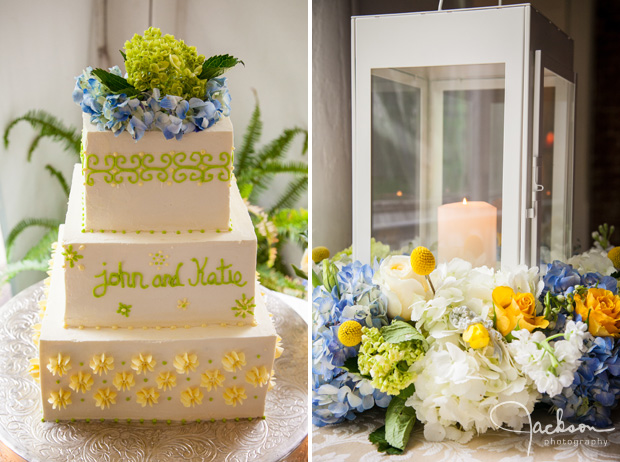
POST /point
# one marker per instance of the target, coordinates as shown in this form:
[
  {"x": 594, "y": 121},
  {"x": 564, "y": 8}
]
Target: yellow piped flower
[
  {"x": 59, "y": 364},
  {"x": 279, "y": 348},
  {"x": 105, "y": 397},
  {"x": 143, "y": 363},
  {"x": 60, "y": 399},
  {"x": 601, "y": 310},
  {"x": 191, "y": 397},
  {"x": 272, "y": 380},
  {"x": 350, "y": 333},
  {"x": 233, "y": 361},
  {"x": 257, "y": 376},
  {"x": 477, "y": 336},
  {"x": 35, "y": 369},
  {"x": 166, "y": 380},
  {"x": 123, "y": 381},
  {"x": 147, "y": 396},
  {"x": 422, "y": 261},
  {"x": 212, "y": 379},
  {"x": 319, "y": 254},
  {"x": 36, "y": 335},
  {"x": 81, "y": 382},
  {"x": 185, "y": 363},
  {"x": 614, "y": 256},
  {"x": 234, "y": 395},
  {"x": 102, "y": 363}
]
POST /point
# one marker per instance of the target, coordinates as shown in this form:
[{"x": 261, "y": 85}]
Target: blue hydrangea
[
  {"x": 343, "y": 397},
  {"x": 561, "y": 279},
  {"x": 172, "y": 115},
  {"x": 353, "y": 297},
  {"x": 596, "y": 388}
]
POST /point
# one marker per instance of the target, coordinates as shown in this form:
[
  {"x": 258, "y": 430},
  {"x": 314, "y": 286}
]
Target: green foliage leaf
[
  {"x": 292, "y": 224},
  {"x": 47, "y": 125},
  {"x": 123, "y": 55},
  {"x": 115, "y": 83},
  {"x": 275, "y": 280},
  {"x": 615, "y": 274},
  {"x": 13, "y": 269},
  {"x": 42, "y": 250},
  {"x": 399, "y": 421},
  {"x": 60, "y": 177},
  {"x": 352, "y": 367},
  {"x": 378, "y": 439},
  {"x": 316, "y": 280},
  {"x": 217, "y": 65},
  {"x": 299, "y": 273},
  {"x": 49, "y": 223},
  {"x": 400, "y": 331},
  {"x": 250, "y": 138}
]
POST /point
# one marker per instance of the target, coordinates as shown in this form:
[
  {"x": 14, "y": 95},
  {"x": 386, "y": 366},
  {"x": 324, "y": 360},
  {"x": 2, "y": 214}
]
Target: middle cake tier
[{"x": 168, "y": 280}]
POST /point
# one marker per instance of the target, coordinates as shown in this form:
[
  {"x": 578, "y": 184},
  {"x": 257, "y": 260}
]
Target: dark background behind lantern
[{"x": 595, "y": 29}]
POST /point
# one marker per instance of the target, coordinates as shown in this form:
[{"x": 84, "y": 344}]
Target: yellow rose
[
  {"x": 477, "y": 336},
  {"x": 512, "y": 309},
  {"x": 602, "y": 312}
]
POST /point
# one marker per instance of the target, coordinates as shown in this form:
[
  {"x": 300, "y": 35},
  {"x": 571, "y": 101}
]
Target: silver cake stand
[{"x": 281, "y": 436}]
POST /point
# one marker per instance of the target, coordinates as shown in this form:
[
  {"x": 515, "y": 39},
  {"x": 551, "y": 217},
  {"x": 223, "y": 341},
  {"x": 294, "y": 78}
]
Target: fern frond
[
  {"x": 48, "y": 125},
  {"x": 290, "y": 196},
  {"x": 278, "y": 148},
  {"x": 251, "y": 136},
  {"x": 298, "y": 168},
  {"x": 13, "y": 269},
  {"x": 60, "y": 177},
  {"x": 49, "y": 223},
  {"x": 42, "y": 250},
  {"x": 33, "y": 146}
]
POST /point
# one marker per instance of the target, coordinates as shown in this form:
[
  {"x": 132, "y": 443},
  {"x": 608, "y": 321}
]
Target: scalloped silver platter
[{"x": 21, "y": 429}]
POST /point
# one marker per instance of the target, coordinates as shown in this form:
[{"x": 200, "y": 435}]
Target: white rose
[
  {"x": 304, "y": 262},
  {"x": 400, "y": 284}
]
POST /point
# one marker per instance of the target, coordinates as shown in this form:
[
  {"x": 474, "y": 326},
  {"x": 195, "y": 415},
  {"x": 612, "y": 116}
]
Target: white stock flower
[
  {"x": 400, "y": 284},
  {"x": 553, "y": 370}
]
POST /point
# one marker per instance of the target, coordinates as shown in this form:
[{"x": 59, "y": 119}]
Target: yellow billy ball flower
[
  {"x": 319, "y": 254},
  {"x": 614, "y": 256},
  {"x": 422, "y": 261},
  {"x": 477, "y": 336},
  {"x": 350, "y": 333}
]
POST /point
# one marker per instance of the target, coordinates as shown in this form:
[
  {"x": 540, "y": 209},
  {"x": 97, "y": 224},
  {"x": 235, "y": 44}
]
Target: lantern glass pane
[
  {"x": 554, "y": 195},
  {"x": 437, "y": 139}
]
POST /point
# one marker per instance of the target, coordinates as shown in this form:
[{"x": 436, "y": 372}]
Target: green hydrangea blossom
[
  {"x": 153, "y": 61},
  {"x": 388, "y": 363}
]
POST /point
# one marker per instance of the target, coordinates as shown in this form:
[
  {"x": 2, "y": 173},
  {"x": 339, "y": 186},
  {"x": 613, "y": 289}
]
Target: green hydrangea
[
  {"x": 388, "y": 363},
  {"x": 153, "y": 61}
]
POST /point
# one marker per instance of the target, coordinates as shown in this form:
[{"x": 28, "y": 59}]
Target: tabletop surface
[{"x": 348, "y": 441}]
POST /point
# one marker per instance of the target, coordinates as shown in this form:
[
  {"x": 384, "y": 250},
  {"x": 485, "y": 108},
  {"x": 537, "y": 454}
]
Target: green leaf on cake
[
  {"x": 400, "y": 331},
  {"x": 217, "y": 65},
  {"x": 115, "y": 83}
]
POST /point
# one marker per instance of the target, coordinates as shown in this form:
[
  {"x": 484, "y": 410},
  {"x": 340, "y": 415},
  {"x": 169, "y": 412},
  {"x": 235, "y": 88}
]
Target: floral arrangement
[
  {"x": 464, "y": 349},
  {"x": 167, "y": 87}
]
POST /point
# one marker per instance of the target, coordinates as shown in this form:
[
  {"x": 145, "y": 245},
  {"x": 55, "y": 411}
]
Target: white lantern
[{"x": 463, "y": 134}]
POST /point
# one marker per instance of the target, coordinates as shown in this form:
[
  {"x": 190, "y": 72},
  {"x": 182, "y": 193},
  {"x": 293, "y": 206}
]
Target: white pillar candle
[{"x": 467, "y": 230}]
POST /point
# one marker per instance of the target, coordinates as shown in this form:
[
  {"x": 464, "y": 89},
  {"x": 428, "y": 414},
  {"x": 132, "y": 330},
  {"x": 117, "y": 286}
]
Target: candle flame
[
  {"x": 399, "y": 193},
  {"x": 464, "y": 201}
]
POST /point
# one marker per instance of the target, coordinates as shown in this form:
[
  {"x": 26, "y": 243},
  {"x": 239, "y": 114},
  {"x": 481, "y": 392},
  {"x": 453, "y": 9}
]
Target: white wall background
[
  {"x": 331, "y": 104},
  {"x": 44, "y": 45}
]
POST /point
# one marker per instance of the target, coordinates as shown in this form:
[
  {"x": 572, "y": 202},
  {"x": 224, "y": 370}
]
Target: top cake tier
[{"x": 156, "y": 184}]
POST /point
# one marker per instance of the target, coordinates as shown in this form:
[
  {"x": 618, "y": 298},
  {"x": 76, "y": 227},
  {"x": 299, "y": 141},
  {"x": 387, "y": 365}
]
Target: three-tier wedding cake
[{"x": 152, "y": 310}]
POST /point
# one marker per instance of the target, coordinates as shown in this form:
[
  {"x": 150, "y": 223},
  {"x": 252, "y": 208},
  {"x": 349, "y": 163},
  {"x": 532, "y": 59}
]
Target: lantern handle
[{"x": 440, "y": 7}]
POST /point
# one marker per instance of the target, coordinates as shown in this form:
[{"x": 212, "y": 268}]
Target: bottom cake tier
[{"x": 195, "y": 373}]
